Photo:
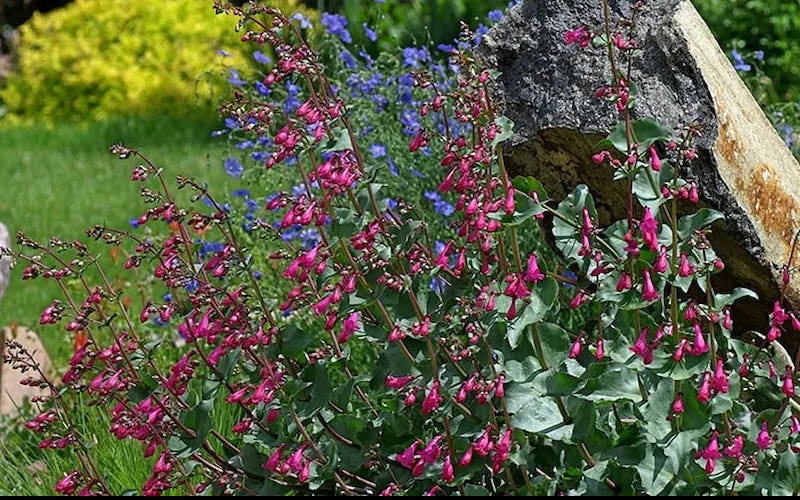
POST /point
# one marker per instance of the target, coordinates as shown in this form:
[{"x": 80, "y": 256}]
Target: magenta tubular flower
[
  {"x": 661, "y": 263},
  {"x": 734, "y": 450},
  {"x": 763, "y": 441},
  {"x": 711, "y": 453},
  {"x": 432, "y": 399},
  {"x": 788, "y": 382},
  {"x": 407, "y": 459},
  {"x": 533, "y": 273},
  {"x": 432, "y": 451},
  {"x": 680, "y": 350},
  {"x": 700, "y": 346},
  {"x": 447, "y": 470},
  {"x": 577, "y": 345},
  {"x": 398, "y": 382},
  {"x": 677, "y": 404},
  {"x": 649, "y": 292},
  {"x": 794, "y": 427},
  {"x": 625, "y": 282},
  {"x": 600, "y": 351},
  {"x": 727, "y": 321},
  {"x": 685, "y": 268},
  {"x": 719, "y": 382},
  {"x": 640, "y": 347},
  {"x": 68, "y": 484},
  {"x": 704, "y": 393},
  {"x": 649, "y": 229},
  {"x": 655, "y": 161}
]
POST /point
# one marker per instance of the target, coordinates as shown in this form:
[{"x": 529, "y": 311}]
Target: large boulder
[{"x": 743, "y": 168}]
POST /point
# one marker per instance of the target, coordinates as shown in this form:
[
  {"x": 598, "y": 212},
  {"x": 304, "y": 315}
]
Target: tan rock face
[
  {"x": 743, "y": 168},
  {"x": 12, "y": 393}
]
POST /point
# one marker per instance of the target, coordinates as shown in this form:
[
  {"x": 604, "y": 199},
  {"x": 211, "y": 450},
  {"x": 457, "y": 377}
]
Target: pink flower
[
  {"x": 655, "y": 161},
  {"x": 763, "y": 441},
  {"x": 685, "y": 268},
  {"x": 727, "y": 322},
  {"x": 533, "y": 273},
  {"x": 580, "y": 36},
  {"x": 794, "y": 427},
  {"x": 483, "y": 446},
  {"x": 711, "y": 453},
  {"x": 661, "y": 263},
  {"x": 677, "y": 404},
  {"x": 398, "y": 382},
  {"x": 649, "y": 292},
  {"x": 734, "y": 450},
  {"x": 349, "y": 326},
  {"x": 600, "y": 351},
  {"x": 700, "y": 346},
  {"x": 406, "y": 459},
  {"x": 625, "y": 282},
  {"x": 447, "y": 470},
  {"x": 68, "y": 484},
  {"x": 466, "y": 458},
  {"x": 642, "y": 348},
  {"x": 788, "y": 382},
  {"x": 719, "y": 381},
  {"x": 577, "y": 345},
  {"x": 744, "y": 368},
  {"x": 432, "y": 399},
  {"x": 680, "y": 350},
  {"x": 704, "y": 393},
  {"x": 432, "y": 450},
  {"x": 649, "y": 229}
]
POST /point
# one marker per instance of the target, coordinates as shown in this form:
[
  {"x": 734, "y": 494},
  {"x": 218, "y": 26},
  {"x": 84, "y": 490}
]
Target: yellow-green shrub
[{"x": 98, "y": 58}]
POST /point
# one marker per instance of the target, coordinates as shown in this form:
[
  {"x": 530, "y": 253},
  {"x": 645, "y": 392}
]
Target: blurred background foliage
[
  {"x": 771, "y": 26},
  {"x": 96, "y": 59}
]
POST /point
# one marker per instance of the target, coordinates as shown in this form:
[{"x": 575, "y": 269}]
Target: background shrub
[
  {"x": 94, "y": 59},
  {"x": 768, "y": 25}
]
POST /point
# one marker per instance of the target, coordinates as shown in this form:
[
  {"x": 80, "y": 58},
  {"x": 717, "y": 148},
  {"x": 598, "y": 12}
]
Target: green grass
[{"x": 62, "y": 180}]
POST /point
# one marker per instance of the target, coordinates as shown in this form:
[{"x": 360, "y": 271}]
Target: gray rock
[
  {"x": 5, "y": 260},
  {"x": 743, "y": 168}
]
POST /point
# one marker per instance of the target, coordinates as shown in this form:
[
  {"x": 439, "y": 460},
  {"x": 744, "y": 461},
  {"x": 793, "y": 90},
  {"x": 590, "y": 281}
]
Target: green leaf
[
  {"x": 646, "y": 131},
  {"x": 725, "y": 299},
  {"x": 197, "y": 419},
  {"x": 542, "y": 298},
  {"x": 340, "y": 142},
  {"x": 559, "y": 383},
  {"x": 506, "y": 130},
  {"x": 704, "y": 217},
  {"x": 294, "y": 341},
  {"x": 473, "y": 490},
  {"x": 529, "y": 184},
  {"x": 610, "y": 382}
]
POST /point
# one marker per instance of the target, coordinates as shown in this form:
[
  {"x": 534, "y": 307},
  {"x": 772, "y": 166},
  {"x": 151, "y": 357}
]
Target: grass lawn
[{"x": 62, "y": 180}]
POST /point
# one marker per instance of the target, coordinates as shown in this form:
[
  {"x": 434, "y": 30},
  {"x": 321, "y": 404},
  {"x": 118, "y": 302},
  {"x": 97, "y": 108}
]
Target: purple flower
[
  {"x": 390, "y": 203},
  {"x": 738, "y": 62},
  {"x": 759, "y": 55},
  {"x": 414, "y": 57},
  {"x": 444, "y": 208},
  {"x": 235, "y": 80},
  {"x": 305, "y": 23},
  {"x": 369, "y": 32},
  {"x": 336, "y": 25},
  {"x": 377, "y": 150},
  {"x": 233, "y": 167},
  {"x": 348, "y": 59},
  {"x": 447, "y": 48},
  {"x": 392, "y": 167},
  {"x": 261, "y": 57},
  {"x": 495, "y": 15}
]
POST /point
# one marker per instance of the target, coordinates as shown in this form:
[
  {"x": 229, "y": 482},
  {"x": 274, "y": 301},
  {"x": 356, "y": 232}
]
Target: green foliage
[
  {"x": 95, "y": 59},
  {"x": 411, "y": 22},
  {"x": 768, "y": 25}
]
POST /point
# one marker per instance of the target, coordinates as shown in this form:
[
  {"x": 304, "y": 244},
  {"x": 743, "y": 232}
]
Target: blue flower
[
  {"x": 223, "y": 53},
  {"x": 231, "y": 123},
  {"x": 134, "y": 222},
  {"x": 479, "y": 32},
  {"x": 392, "y": 167},
  {"x": 433, "y": 196},
  {"x": 495, "y": 15},
  {"x": 305, "y": 23},
  {"x": 377, "y": 150},
  {"x": 336, "y": 25},
  {"x": 261, "y": 57},
  {"x": 167, "y": 297},
  {"x": 442, "y": 207},
  {"x": 235, "y": 80},
  {"x": 233, "y": 167},
  {"x": 447, "y": 48},
  {"x": 257, "y": 275},
  {"x": 414, "y": 57},
  {"x": 192, "y": 285},
  {"x": 241, "y": 193},
  {"x": 390, "y": 203},
  {"x": 438, "y": 285},
  {"x": 208, "y": 248},
  {"x": 739, "y": 63},
  {"x": 244, "y": 144},
  {"x": 369, "y": 32},
  {"x": 262, "y": 89},
  {"x": 787, "y": 132},
  {"x": 759, "y": 55},
  {"x": 348, "y": 59}
]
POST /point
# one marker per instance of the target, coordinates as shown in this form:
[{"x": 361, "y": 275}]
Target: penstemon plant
[{"x": 519, "y": 372}]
